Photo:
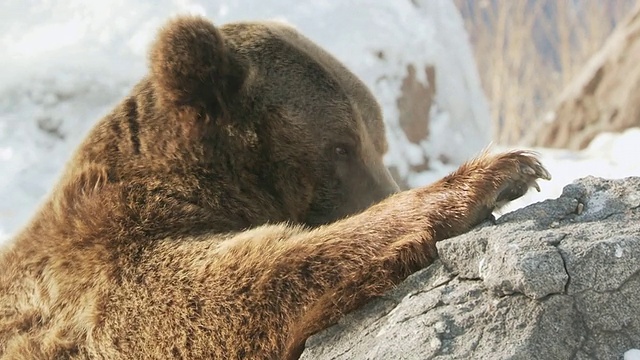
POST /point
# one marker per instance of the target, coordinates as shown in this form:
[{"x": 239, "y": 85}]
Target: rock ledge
[{"x": 559, "y": 279}]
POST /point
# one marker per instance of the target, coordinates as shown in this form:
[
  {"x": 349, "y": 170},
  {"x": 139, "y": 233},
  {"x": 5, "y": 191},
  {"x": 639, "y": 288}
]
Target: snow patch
[
  {"x": 632, "y": 354},
  {"x": 481, "y": 267},
  {"x": 597, "y": 202}
]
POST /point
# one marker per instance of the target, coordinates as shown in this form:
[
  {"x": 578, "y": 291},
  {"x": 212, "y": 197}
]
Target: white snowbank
[
  {"x": 65, "y": 63},
  {"x": 632, "y": 354}
]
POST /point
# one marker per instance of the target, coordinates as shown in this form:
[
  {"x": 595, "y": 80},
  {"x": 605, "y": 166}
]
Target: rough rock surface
[
  {"x": 605, "y": 96},
  {"x": 556, "y": 280}
]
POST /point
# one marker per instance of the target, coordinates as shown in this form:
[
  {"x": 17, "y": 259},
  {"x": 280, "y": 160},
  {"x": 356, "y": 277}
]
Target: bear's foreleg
[{"x": 391, "y": 240}]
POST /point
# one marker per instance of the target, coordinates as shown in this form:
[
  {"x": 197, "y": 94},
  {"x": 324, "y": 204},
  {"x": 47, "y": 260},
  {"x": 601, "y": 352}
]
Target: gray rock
[{"x": 556, "y": 280}]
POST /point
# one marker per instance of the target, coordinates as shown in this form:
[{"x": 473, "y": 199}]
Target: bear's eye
[{"x": 341, "y": 151}]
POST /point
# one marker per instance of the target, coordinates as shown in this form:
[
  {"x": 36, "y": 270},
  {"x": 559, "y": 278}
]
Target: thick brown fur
[{"x": 224, "y": 209}]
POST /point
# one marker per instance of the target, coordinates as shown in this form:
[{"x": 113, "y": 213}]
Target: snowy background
[{"x": 66, "y": 63}]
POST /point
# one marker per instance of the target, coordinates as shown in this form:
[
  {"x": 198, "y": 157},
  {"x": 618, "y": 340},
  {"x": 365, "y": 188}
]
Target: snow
[
  {"x": 619, "y": 251},
  {"x": 632, "y": 354}
]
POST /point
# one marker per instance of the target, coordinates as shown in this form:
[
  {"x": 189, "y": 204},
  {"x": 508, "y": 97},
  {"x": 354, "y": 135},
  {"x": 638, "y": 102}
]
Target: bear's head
[{"x": 249, "y": 120}]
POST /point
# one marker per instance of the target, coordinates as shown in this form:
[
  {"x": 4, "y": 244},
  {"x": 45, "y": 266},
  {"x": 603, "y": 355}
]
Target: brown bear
[{"x": 232, "y": 205}]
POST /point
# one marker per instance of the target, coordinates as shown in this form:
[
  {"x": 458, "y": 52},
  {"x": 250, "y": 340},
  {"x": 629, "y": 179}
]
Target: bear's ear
[{"x": 191, "y": 66}]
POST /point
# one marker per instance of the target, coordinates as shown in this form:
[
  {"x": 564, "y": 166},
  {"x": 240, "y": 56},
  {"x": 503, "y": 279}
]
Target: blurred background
[{"x": 452, "y": 76}]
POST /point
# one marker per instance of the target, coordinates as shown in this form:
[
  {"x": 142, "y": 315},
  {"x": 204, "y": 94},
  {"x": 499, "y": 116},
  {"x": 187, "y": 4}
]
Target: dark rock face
[{"x": 556, "y": 280}]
